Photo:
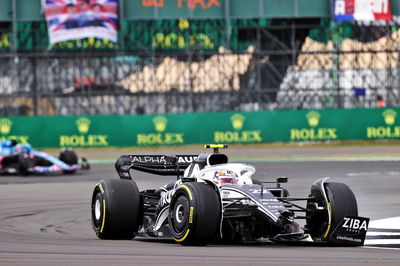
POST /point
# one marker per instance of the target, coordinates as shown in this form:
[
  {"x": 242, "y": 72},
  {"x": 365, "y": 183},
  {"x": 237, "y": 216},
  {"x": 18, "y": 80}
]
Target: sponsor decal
[
  {"x": 5, "y": 126},
  {"x": 83, "y": 139},
  {"x": 354, "y": 225},
  {"x": 5, "y": 40},
  {"x": 351, "y": 231},
  {"x": 161, "y": 159},
  {"x": 237, "y": 121},
  {"x": 78, "y": 19},
  {"x": 83, "y": 125},
  {"x": 160, "y": 137},
  {"x": 166, "y": 197},
  {"x": 5, "y": 130},
  {"x": 362, "y": 10},
  {"x": 313, "y": 132},
  {"x": 192, "y": 4},
  {"x": 391, "y": 130},
  {"x": 160, "y": 123},
  {"x": 191, "y": 215},
  {"x": 225, "y": 193},
  {"x": 238, "y": 135}
]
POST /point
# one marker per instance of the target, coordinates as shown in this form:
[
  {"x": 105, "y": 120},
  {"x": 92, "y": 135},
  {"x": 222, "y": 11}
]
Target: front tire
[
  {"x": 341, "y": 203},
  {"x": 69, "y": 157},
  {"x": 194, "y": 214},
  {"x": 25, "y": 164},
  {"x": 115, "y": 209}
]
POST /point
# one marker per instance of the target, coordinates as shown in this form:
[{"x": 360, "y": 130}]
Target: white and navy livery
[{"x": 214, "y": 200}]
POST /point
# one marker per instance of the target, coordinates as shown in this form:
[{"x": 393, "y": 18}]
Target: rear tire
[
  {"x": 25, "y": 164},
  {"x": 116, "y": 209},
  {"x": 69, "y": 157},
  {"x": 194, "y": 214},
  {"x": 342, "y": 202}
]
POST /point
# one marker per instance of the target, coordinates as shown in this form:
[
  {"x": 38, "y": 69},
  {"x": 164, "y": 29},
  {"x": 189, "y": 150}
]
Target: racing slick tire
[
  {"x": 115, "y": 209},
  {"x": 69, "y": 157},
  {"x": 341, "y": 203},
  {"x": 25, "y": 164},
  {"x": 194, "y": 214}
]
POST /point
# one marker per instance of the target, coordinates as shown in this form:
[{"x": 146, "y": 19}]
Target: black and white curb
[{"x": 384, "y": 233}]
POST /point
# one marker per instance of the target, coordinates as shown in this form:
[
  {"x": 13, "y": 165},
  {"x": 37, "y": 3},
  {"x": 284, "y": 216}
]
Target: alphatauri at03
[{"x": 216, "y": 201}]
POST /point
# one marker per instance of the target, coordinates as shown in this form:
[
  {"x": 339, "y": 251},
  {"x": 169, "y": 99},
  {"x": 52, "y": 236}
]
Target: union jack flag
[{"x": 77, "y": 19}]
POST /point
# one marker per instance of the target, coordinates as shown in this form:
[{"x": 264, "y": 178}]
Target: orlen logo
[{"x": 354, "y": 224}]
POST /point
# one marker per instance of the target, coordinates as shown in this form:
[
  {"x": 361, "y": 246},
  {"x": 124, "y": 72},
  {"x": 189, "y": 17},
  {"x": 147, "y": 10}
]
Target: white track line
[
  {"x": 381, "y": 248},
  {"x": 382, "y": 242},
  {"x": 383, "y": 234},
  {"x": 388, "y": 223}
]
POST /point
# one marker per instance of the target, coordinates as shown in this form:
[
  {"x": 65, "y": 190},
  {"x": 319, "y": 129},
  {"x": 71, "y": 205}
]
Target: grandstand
[{"x": 171, "y": 59}]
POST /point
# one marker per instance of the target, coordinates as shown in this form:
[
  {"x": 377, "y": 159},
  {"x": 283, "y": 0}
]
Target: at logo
[
  {"x": 388, "y": 131},
  {"x": 5, "y": 126},
  {"x": 160, "y": 123},
  {"x": 83, "y": 125},
  {"x": 354, "y": 224}
]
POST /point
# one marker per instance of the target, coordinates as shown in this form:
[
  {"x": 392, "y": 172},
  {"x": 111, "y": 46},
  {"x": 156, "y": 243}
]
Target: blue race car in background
[{"x": 22, "y": 159}]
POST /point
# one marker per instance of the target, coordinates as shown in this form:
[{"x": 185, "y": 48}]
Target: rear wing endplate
[{"x": 153, "y": 164}]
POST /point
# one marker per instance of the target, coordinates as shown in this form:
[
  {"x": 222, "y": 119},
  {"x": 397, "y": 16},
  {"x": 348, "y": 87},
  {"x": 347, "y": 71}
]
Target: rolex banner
[
  {"x": 200, "y": 128},
  {"x": 77, "y": 19}
]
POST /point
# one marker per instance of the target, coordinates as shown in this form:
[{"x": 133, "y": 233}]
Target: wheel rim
[
  {"x": 180, "y": 215},
  {"x": 97, "y": 211},
  {"x": 318, "y": 222}
]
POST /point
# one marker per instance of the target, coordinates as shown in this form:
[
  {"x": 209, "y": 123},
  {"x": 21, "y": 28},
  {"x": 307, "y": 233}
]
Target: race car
[
  {"x": 213, "y": 200},
  {"x": 22, "y": 159}
]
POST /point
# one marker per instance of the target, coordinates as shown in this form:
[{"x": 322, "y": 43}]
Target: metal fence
[{"x": 289, "y": 65}]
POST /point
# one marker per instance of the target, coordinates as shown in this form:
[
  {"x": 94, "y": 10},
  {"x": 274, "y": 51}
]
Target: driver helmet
[{"x": 222, "y": 177}]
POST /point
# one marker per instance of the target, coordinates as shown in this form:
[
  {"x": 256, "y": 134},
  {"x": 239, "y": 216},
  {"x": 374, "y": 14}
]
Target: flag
[
  {"x": 77, "y": 19},
  {"x": 362, "y": 10}
]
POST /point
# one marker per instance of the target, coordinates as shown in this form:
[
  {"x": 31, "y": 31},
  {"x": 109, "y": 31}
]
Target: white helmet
[{"x": 222, "y": 177}]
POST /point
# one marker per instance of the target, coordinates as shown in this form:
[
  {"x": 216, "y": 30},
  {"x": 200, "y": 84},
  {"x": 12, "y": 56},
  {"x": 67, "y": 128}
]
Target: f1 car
[
  {"x": 23, "y": 159},
  {"x": 213, "y": 200}
]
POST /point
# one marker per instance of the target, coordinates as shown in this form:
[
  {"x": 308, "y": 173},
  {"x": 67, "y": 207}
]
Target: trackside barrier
[{"x": 192, "y": 128}]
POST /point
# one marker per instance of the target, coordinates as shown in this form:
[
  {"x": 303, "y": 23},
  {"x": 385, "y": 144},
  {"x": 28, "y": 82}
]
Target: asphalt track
[{"x": 45, "y": 220}]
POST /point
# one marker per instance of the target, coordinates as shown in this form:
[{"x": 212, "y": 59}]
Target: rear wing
[{"x": 153, "y": 164}]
